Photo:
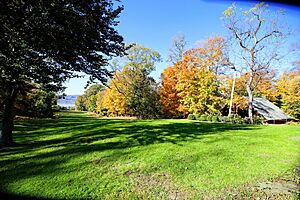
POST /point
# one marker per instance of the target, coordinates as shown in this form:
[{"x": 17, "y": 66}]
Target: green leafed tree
[
  {"x": 36, "y": 103},
  {"x": 47, "y": 42},
  {"x": 88, "y": 101},
  {"x": 91, "y": 96},
  {"x": 80, "y": 103},
  {"x": 137, "y": 86}
]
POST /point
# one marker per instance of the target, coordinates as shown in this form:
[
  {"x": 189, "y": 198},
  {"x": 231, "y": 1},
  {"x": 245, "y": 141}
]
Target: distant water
[{"x": 68, "y": 101}]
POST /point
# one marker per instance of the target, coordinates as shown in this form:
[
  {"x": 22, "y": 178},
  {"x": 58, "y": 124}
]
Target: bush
[
  {"x": 234, "y": 116},
  {"x": 215, "y": 118},
  {"x": 238, "y": 119},
  {"x": 191, "y": 117},
  {"x": 197, "y": 116},
  {"x": 56, "y": 108},
  {"x": 234, "y": 119},
  {"x": 178, "y": 116},
  {"x": 209, "y": 118},
  {"x": 258, "y": 120},
  {"x": 72, "y": 108},
  {"x": 203, "y": 118},
  {"x": 224, "y": 119},
  {"x": 247, "y": 120},
  {"x": 63, "y": 108},
  {"x": 220, "y": 118},
  {"x": 103, "y": 112}
]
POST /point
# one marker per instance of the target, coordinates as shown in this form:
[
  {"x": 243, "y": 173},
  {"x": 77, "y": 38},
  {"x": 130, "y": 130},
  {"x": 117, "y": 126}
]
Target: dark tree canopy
[{"x": 47, "y": 42}]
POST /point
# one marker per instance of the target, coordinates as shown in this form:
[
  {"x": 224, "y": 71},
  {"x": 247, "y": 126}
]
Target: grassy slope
[{"x": 77, "y": 156}]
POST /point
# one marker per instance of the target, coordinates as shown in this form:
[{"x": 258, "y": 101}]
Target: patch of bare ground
[
  {"x": 280, "y": 188},
  {"x": 161, "y": 186},
  {"x": 157, "y": 186}
]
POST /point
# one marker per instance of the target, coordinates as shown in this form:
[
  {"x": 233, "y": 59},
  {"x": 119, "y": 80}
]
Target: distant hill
[{"x": 68, "y": 101}]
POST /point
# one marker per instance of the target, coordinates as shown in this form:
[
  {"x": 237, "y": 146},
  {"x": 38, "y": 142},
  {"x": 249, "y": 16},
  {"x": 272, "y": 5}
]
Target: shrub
[
  {"x": 203, "y": 117},
  {"x": 234, "y": 116},
  {"x": 103, "y": 112},
  {"x": 209, "y": 118},
  {"x": 220, "y": 118},
  {"x": 258, "y": 120},
  {"x": 191, "y": 117},
  {"x": 56, "y": 108},
  {"x": 179, "y": 116},
  {"x": 224, "y": 119},
  {"x": 238, "y": 120},
  {"x": 215, "y": 118},
  {"x": 197, "y": 116},
  {"x": 244, "y": 121},
  {"x": 247, "y": 120},
  {"x": 231, "y": 120},
  {"x": 72, "y": 108},
  {"x": 234, "y": 119}
]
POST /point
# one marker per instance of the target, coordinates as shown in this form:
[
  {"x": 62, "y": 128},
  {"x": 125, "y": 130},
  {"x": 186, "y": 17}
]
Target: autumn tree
[
  {"x": 198, "y": 82},
  {"x": 257, "y": 35},
  {"x": 135, "y": 84},
  {"x": 114, "y": 99},
  {"x": 100, "y": 109},
  {"x": 46, "y": 42},
  {"x": 265, "y": 87},
  {"x": 288, "y": 87},
  {"x": 171, "y": 105}
]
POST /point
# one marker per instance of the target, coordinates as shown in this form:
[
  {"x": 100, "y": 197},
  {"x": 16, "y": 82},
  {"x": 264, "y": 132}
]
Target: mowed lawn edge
[{"x": 77, "y": 156}]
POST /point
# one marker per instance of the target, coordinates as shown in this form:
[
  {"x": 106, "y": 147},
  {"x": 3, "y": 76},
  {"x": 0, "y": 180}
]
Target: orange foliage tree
[
  {"x": 171, "y": 105},
  {"x": 193, "y": 85}
]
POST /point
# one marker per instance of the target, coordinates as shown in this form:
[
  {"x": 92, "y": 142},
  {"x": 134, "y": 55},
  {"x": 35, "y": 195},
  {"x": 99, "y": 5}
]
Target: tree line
[{"x": 198, "y": 82}]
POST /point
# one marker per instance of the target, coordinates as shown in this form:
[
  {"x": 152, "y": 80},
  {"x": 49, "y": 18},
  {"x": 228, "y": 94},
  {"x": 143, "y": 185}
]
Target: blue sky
[{"x": 154, "y": 23}]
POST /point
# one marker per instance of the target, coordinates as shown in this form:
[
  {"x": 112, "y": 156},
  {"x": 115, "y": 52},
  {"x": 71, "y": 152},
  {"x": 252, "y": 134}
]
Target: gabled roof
[{"x": 268, "y": 110}]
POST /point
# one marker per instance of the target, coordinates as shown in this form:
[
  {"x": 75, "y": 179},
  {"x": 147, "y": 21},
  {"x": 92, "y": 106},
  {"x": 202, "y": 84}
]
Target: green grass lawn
[{"x": 76, "y": 156}]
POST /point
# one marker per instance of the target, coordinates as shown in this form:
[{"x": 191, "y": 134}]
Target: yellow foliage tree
[
  {"x": 289, "y": 89},
  {"x": 198, "y": 78},
  {"x": 113, "y": 100}
]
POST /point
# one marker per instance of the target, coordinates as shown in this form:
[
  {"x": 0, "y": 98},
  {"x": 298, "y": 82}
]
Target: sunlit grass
[{"x": 77, "y": 156}]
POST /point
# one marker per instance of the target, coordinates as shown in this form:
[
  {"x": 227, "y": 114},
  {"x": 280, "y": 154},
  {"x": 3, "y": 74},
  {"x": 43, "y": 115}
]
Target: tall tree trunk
[
  {"x": 6, "y": 138},
  {"x": 250, "y": 103}
]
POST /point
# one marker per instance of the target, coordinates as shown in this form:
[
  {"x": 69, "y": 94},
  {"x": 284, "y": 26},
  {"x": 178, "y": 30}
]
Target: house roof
[{"x": 268, "y": 110}]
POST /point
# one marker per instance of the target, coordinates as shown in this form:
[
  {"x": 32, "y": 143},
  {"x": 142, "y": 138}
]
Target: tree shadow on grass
[{"x": 76, "y": 134}]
